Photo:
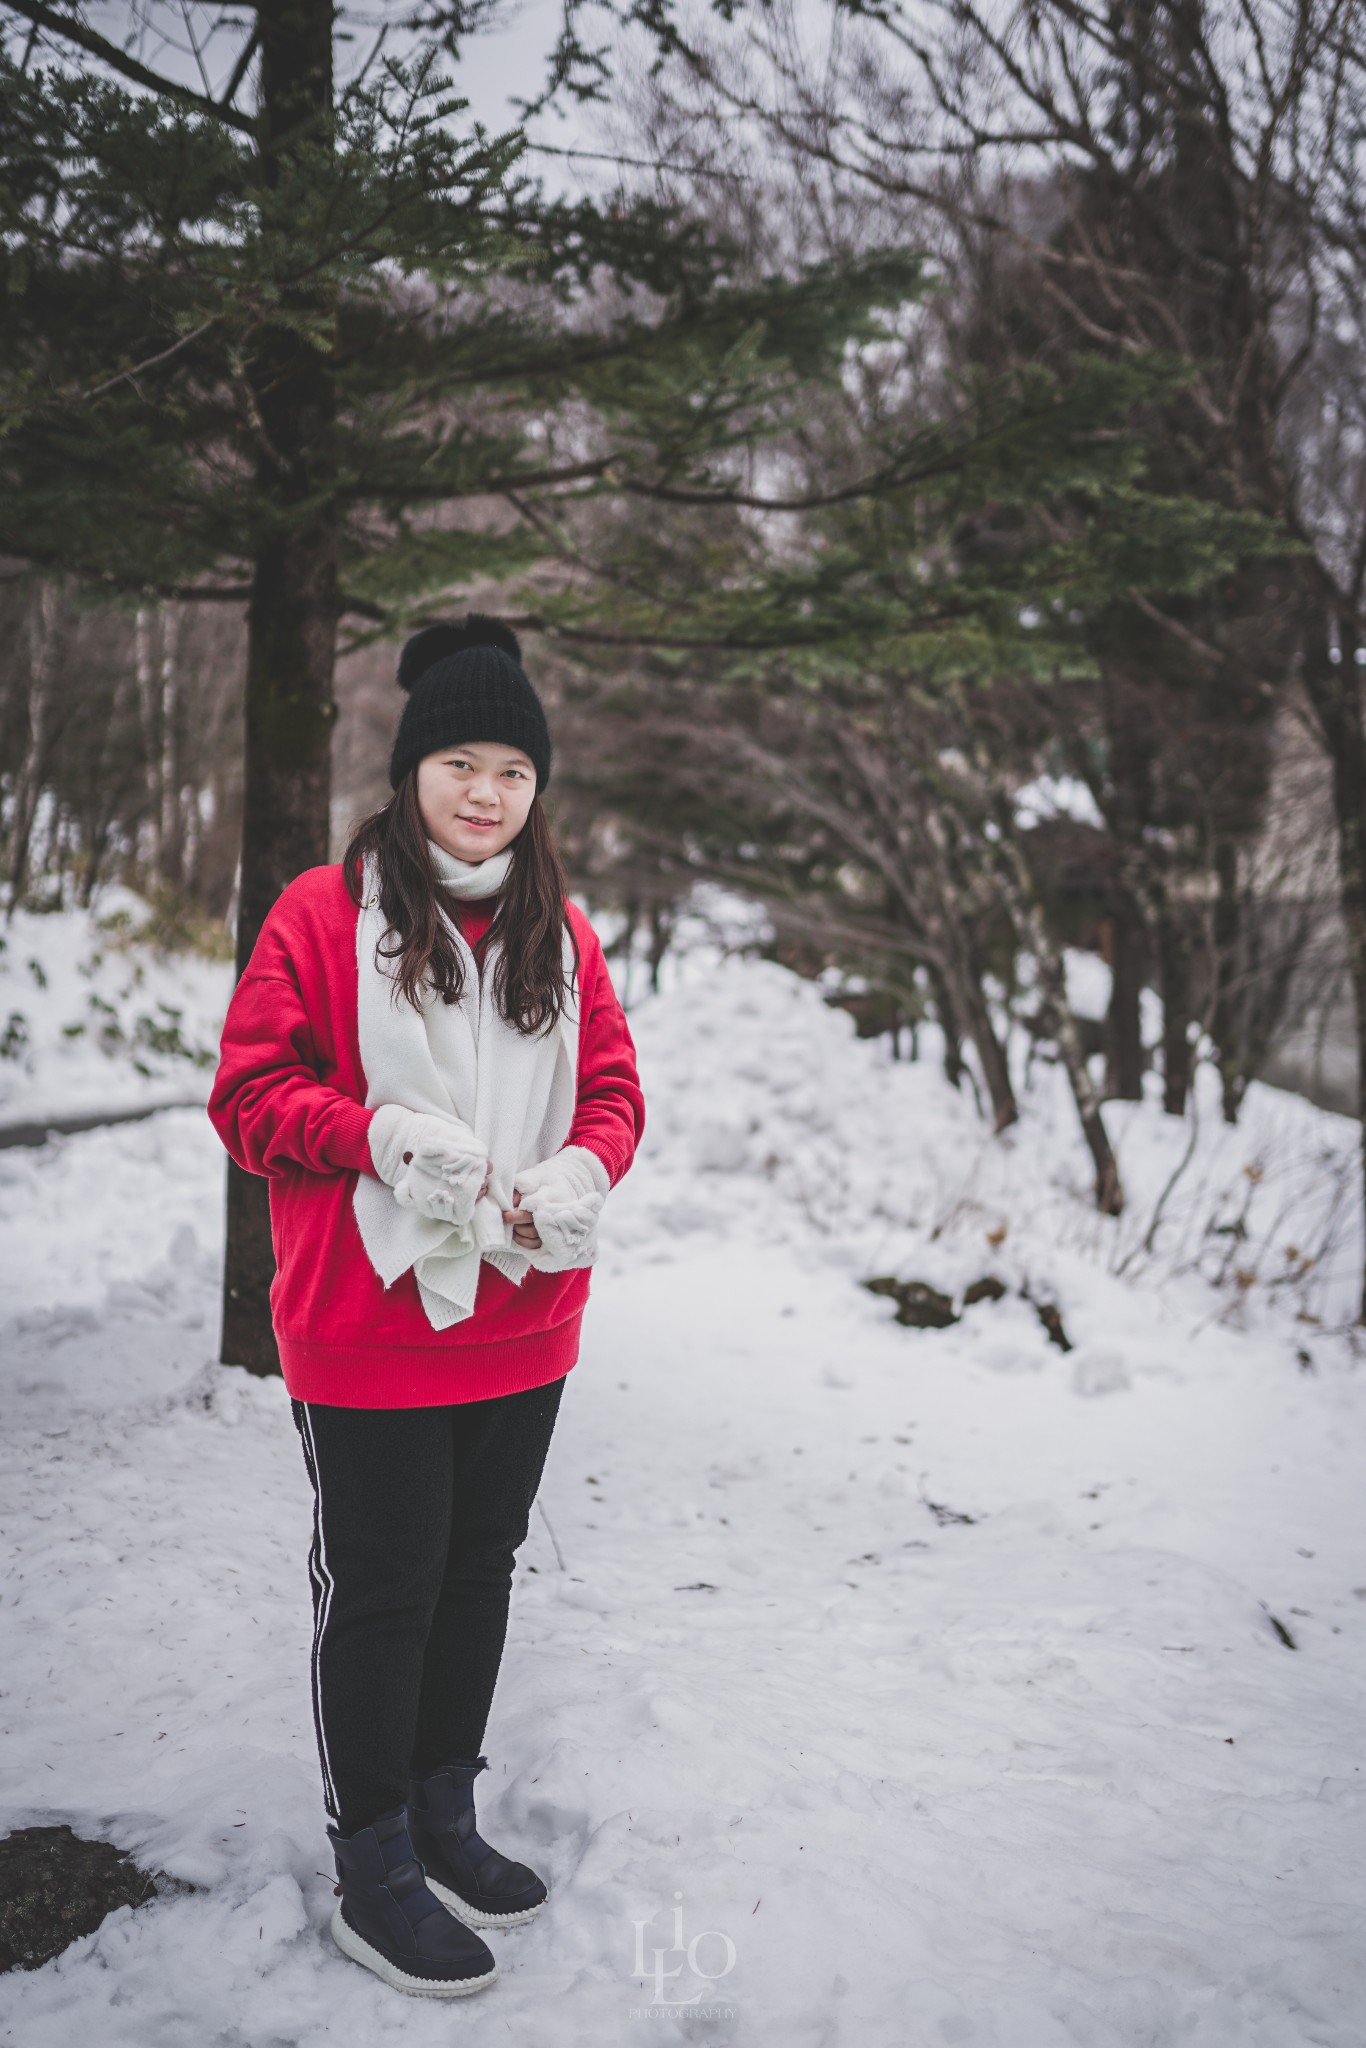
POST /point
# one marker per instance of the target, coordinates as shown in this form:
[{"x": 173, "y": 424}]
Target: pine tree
[{"x": 291, "y": 354}]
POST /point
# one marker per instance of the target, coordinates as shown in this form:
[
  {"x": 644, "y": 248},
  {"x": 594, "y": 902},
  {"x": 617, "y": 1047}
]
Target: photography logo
[{"x": 667, "y": 1970}]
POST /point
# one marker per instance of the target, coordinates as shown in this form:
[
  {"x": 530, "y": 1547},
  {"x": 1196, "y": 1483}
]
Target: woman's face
[{"x": 474, "y": 799}]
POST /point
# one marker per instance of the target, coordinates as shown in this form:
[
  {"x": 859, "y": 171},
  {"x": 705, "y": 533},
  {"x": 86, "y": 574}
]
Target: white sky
[{"x": 496, "y": 67}]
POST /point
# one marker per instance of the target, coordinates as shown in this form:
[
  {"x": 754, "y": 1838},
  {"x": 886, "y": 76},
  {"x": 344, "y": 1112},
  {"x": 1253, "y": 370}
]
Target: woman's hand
[
  {"x": 434, "y": 1164},
  {"x": 563, "y": 1197},
  {"x": 524, "y": 1231}
]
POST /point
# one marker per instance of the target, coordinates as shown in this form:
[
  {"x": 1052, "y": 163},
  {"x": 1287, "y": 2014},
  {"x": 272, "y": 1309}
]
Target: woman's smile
[{"x": 500, "y": 775}]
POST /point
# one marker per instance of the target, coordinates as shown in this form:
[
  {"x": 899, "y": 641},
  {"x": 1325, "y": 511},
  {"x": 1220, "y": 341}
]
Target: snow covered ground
[{"x": 865, "y": 1685}]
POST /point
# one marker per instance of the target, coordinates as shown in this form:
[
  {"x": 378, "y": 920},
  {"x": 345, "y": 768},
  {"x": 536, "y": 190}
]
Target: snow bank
[
  {"x": 91, "y": 1021},
  {"x": 864, "y": 1685},
  {"x": 768, "y": 1112}
]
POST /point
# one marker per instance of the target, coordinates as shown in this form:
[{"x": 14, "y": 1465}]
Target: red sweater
[{"x": 289, "y": 1102}]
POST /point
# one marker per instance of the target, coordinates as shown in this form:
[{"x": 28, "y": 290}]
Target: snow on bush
[
  {"x": 95, "y": 1018},
  {"x": 763, "y": 1100}
]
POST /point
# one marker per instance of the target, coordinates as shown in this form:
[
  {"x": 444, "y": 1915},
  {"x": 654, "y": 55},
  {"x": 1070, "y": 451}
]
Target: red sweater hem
[{"x": 425, "y": 1375}]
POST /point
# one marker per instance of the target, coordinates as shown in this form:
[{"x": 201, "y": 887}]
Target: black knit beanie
[{"x": 465, "y": 681}]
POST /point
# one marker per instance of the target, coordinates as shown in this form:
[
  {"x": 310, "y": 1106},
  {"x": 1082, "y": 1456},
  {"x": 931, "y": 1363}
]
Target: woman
[{"x": 426, "y": 1057}]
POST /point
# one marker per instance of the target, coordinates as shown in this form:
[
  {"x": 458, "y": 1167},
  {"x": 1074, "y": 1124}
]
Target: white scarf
[{"x": 458, "y": 1059}]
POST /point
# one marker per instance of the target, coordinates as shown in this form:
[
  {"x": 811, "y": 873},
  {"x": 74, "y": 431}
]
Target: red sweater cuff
[
  {"x": 610, "y": 1162},
  {"x": 348, "y": 1142}
]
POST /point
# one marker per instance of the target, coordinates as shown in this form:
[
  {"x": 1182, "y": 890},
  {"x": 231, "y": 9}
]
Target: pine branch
[{"x": 136, "y": 370}]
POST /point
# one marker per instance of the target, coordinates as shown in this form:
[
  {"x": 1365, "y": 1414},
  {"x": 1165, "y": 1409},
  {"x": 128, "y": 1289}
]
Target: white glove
[
  {"x": 434, "y": 1164},
  {"x": 565, "y": 1194}
]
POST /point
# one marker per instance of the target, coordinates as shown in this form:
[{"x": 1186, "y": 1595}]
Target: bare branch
[{"x": 65, "y": 26}]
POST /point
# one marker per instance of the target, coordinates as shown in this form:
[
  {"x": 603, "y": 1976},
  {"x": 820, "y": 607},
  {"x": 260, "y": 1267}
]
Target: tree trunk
[
  {"x": 956, "y": 978},
  {"x": 950, "y": 1027},
  {"x": 1027, "y": 913},
  {"x": 1124, "y": 1023},
  {"x": 97, "y": 846},
  {"x": 971, "y": 1003},
  {"x": 960, "y": 974},
  {"x": 1226, "y": 1021},
  {"x": 1334, "y": 690},
  {"x": 29, "y": 784},
  {"x": 291, "y": 652},
  {"x": 109, "y": 791},
  {"x": 1053, "y": 981},
  {"x": 661, "y": 935},
  {"x": 291, "y": 622},
  {"x": 1174, "y": 966},
  {"x": 147, "y": 714},
  {"x": 1128, "y": 795},
  {"x": 168, "y": 793}
]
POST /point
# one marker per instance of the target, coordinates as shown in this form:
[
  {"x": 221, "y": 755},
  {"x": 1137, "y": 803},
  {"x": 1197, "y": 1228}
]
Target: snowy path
[{"x": 1048, "y": 1776}]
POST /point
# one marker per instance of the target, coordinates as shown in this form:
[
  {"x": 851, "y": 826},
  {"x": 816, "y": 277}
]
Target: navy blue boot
[
  {"x": 479, "y": 1886},
  {"x": 389, "y": 1920}
]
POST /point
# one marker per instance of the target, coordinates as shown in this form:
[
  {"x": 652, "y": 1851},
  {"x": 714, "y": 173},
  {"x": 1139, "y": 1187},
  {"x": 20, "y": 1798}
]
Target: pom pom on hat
[
  {"x": 465, "y": 683},
  {"x": 432, "y": 643}
]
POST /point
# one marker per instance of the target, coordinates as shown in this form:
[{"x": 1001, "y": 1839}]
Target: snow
[
  {"x": 93, "y": 1021},
  {"x": 1056, "y": 796},
  {"x": 864, "y": 1685},
  {"x": 1088, "y": 985}
]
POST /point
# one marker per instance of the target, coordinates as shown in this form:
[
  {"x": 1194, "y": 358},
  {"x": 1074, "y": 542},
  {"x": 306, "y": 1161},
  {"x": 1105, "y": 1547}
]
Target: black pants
[{"x": 418, "y": 1514}]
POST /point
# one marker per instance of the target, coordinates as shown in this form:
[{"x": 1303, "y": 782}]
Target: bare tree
[{"x": 1182, "y": 176}]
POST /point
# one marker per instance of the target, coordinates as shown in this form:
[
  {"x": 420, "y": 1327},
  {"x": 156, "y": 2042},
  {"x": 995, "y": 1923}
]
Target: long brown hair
[{"x": 528, "y": 982}]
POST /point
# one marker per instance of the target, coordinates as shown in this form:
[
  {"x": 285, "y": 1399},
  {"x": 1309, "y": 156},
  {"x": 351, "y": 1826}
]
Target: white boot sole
[
  {"x": 475, "y": 1916},
  {"x": 351, "y": 1944}
]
